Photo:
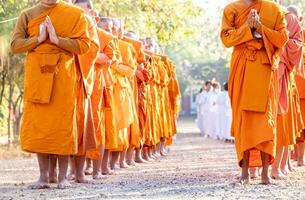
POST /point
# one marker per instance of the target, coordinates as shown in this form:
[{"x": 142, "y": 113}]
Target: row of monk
[
  {"x": 91, "y": 91},
  {"x": 266, "y": 85}
]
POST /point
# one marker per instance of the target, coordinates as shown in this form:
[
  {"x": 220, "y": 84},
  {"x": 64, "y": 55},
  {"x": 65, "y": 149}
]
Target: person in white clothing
[
  {"x": 214, "y": 112},
  {"x": 203, "y": 105}
]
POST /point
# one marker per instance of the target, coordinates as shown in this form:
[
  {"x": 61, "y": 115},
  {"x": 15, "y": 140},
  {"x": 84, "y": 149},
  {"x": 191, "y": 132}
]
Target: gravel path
[{"x": 196, "y": 168}]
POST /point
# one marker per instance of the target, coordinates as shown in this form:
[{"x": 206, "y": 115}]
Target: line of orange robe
[
  {"x": 289, "y": 121},
  {"x": 49, "y": 120},
  {"x": 253, "y": 82}
]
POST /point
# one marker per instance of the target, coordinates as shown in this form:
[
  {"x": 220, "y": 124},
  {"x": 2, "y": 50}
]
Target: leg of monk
[
  {"x": 63, "y": 168},
  {"x": 138, "y": 156},
  {"x": 88, "y": 170},
  {"x": 295, "y": 153},
  {"x": 114, "y": 159},
  {"x": 284, "y": 162},
  {"x": 289, "y": 164},
  {"x": 71, "y": 175},
  {"x": 97, "y": 166},
  {"x": 301, "y": 147},
  {"x": 245, "y": 178},
  {"x": 276, "y": 172},
  {"x": 265, "y": 172},
  {"x": 145, "y": 154},
  {"x": 162, "y": 148},
  {"x": 123, "y": 163},
  {"x": 130, "y": 157},
  {"x": 53, "y": 169},
  {"x": 105, "y": 163},
  {"x": 79, "y": 169},
  {"x": 43, "y": 181}
]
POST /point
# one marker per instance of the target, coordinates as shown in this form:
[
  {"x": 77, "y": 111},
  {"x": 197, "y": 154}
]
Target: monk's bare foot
[
  {"x": 53, "y": 180},
  {"x": 71, "y": 177},
  {"x": 131, "y": 163},
  {"x": 245, "y": 180},
  {"x": 97, "y": 176},
  {"x": 64, "y": 184},
  {"x": 123, "y": 165},
  {"x": 290, "y": 168},
  {"x": 163, "y": 154},
  {"x": 81, "y": 179},
  {"x": 107, "y": 171},
  {"x": 277, "y": 175},
  {"x": 285, "y": 171},
  {"x": 139, "y": 160},
  {"x": 88, "y": 171},
  {"x": 266, "y": 180},
  {"x": 39, "y": 185},
  {"x": 301, "y": 163}
]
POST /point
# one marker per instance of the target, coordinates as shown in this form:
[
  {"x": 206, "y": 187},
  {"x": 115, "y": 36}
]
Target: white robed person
[
  {"x": 203, "y": 107},
  {"x": 225, "y": 114},
  {"x": 213, "y": 127}
]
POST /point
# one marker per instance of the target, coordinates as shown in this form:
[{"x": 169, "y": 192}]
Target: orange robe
[
  {"x": 108, "y": 47},
  {"x": 300, "y": 82},
  {"x": 123, "y": 95},
  {"x": 290, "y": 123},
  {"x": 87, "y": 118},
  {"x": 253, "y": 82},
  {"x": 49, "y": 123},
  {"x": 134, "y": 133}
]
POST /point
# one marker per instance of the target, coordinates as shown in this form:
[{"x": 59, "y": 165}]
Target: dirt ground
[{"x": 196, "y": 168}]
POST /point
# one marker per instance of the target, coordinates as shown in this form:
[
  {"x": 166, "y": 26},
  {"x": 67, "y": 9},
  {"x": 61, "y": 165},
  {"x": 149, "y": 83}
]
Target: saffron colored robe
[
  {"x": 49, "y": 123},
  {"x": 253, "y": 82}
]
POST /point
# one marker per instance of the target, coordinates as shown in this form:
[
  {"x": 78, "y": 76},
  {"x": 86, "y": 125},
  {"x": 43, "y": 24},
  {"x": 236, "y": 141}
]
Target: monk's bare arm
[
  {"x": 279, "y": 36},
  {"x": 21, "y": 42},
  {"x": 230, "y": 35}
]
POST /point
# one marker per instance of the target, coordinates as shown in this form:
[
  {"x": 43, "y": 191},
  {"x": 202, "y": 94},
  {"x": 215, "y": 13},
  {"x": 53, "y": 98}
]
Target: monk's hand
[
  {"x": 140, "y": 75},
  {"x": 52, "y": 34},
  {"x": 250, "y": 20},
  {"x": 257, "y": 24},
  {"x": 43, "y": 34}
]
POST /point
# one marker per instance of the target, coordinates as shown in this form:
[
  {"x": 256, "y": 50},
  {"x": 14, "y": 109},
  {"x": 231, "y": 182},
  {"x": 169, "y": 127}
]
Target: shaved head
[
  {"x": 117, "y": 28},
  {"x": 294, "y": 10},
  {"x": 106, "y": 24},
  {"x": 86, "y": 5},
  {"x": 132, "y": 34}
]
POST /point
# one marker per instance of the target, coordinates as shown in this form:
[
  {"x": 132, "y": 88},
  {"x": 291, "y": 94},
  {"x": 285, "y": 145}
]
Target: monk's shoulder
[
  {"x": 71, "y": 10},
  {"x": 233, "y": 6},
  {"x": 273, "y": 5}
]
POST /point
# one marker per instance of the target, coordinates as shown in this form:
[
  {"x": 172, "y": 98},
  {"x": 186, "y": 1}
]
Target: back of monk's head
[
  {"x": 296, "y": 11},
  {"x": 86, "y": 5},
  {"x": 132, "y": 34},
  {"x": 105, "y": 24}
]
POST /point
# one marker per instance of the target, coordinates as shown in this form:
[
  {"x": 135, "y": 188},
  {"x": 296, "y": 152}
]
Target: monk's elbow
[{"x": 14, "y": 48}]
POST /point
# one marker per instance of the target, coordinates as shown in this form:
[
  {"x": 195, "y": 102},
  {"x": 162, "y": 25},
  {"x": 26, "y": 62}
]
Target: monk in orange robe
[
  {"x": 107, "y": 59},
  {"x": 256, "y": 30},
  {"x": 289, "y": 121},
  {"x": 134, "y": 133},
  {"x": 49, "y": 124},
  {"x": 123, "y": 95},
  {"x": 300, "y": 83},
  {"x": 85, "y": 115}
]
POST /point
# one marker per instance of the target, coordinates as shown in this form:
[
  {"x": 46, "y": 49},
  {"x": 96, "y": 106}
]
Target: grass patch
[{"x": 14, "y": 152}]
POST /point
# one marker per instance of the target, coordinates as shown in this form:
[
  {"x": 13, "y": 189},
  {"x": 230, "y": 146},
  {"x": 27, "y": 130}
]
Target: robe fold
[
  {"x": 86, "y": 111},
  {"x": 49, "y": 123},
  {"x": 253, "y": 82}
]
